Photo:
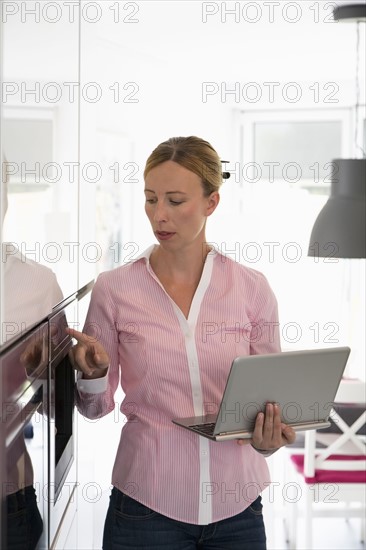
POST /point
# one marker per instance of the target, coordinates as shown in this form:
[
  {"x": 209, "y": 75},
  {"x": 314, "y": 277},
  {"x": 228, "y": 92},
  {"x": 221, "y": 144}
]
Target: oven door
[{"x": 24, "y": 445}]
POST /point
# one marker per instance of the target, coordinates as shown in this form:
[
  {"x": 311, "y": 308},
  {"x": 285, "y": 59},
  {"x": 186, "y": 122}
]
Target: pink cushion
[{"x": 332, "y": 476}]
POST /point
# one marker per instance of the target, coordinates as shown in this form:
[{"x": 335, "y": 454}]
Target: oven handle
[{"x": 23, "y": 413}]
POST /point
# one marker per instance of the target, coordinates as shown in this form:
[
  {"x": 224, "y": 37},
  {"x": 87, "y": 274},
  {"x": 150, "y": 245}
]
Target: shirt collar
[{"x": 147, "y": 253}]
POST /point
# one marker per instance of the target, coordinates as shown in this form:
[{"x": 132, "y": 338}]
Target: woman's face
[{"x": 176, "y": 206}]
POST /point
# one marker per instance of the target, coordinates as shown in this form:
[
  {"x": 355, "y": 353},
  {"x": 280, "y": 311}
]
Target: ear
[{"x": 212, "y": 202}]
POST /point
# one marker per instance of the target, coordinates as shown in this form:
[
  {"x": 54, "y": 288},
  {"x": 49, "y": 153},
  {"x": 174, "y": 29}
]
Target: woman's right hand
[{"x": 88, "y": 355}]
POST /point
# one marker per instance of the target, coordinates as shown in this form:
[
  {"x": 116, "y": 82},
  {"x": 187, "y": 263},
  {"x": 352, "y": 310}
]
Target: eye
[
  {"x": 176, "y": 202},
  {"x": 151, "y": 201}
]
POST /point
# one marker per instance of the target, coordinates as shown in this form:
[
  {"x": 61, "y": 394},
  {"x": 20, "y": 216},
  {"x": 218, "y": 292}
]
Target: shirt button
[{"x": 204, "y": 453}]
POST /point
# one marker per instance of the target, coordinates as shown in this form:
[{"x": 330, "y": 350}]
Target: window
[
  {"x": 282, "y": 182},
  {"x": 296, "y": 147}
]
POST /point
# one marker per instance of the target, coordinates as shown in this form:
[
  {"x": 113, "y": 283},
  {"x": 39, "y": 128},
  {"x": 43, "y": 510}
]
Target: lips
[{"x": 162, "y": 235}]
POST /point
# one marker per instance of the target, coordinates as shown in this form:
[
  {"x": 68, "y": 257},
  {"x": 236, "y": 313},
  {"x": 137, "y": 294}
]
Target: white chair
[{"x": 331, "y": 479}]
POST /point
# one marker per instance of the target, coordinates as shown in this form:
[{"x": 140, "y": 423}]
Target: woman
[{"x": 168, "y": 325}]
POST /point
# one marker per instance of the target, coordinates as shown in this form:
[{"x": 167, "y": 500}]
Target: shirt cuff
[
  {"x": 96, "y": 385},
  {"x": 264, "y": 452}
]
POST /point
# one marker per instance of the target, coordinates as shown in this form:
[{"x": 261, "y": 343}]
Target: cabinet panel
[{"x": 39, "y": 156}]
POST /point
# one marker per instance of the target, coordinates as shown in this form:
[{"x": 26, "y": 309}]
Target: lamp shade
[
  {"x": 340, "y": 228},
  {"x": 350, "y": 12}
]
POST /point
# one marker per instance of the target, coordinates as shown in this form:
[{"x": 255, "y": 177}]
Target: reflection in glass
[
  {"x": 30, "y": 289},
  {"x": 24, "y": 526},
  {"x": 24, "y": 442},
  {"x": 39, "y": 157}
]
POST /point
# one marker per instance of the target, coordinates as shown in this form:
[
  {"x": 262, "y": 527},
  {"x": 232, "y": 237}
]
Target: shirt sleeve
[
  {"x": 265, "y": 334},
  {"x": 265, "y": 337},
  {"x": 95, "y": 398},
  {"x": 97, "y": 385}
]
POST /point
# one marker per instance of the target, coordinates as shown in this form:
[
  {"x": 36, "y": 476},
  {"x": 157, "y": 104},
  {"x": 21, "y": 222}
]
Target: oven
[
  {"x": 24, "y": 442},
  {"x": 38, "y": 439}
]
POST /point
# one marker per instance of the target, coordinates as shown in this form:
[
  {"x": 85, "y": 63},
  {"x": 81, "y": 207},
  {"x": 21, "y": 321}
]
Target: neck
[{"x": 181, "y": 266}]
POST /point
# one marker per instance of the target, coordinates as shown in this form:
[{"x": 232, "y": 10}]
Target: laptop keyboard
[{"x": 205, "y": 428}]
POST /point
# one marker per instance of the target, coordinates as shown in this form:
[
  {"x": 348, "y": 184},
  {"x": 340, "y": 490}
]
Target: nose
[{"x": 160, "y": 212}]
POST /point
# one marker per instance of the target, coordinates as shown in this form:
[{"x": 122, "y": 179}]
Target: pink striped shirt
[{"x": 170, "y": 366}]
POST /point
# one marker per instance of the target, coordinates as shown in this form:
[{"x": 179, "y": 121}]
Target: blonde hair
[{"x": 193, "y": 153}]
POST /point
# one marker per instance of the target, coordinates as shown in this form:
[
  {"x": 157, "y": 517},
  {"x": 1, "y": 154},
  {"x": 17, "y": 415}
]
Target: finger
[
  {"x": 268, "y": 423},
  {"x": 97, "y": 357},
  {"x": 54, "y": 329},
  {"x": 81, "y": 337},
  {"x": 277, "y": 420},
  {"x": 244, "y": 441},
  {"x": 88, "y": 360},
  {"x": 257, "y": 437},
  {"x": 32, "y": 356},
  {"x": 288, "y": 434},
  {"x": 277, "y": 437},
  {"x": 81, "y": 360}
]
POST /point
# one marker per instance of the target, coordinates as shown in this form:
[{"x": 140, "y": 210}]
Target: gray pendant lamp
[
  {"x": 350, "y": 12},
  {"x": 340, "y": 228}
]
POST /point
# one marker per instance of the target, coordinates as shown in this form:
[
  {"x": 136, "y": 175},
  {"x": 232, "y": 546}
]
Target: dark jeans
[
  {"x": 24, "y": 522},
  {"x": 131, "y": 525}
]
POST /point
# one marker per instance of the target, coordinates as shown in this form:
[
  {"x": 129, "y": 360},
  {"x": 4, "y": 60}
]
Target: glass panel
[{"x": 39, "y": 157}]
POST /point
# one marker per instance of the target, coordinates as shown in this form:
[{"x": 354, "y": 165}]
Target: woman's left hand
[{"x": 269, "y": 432}]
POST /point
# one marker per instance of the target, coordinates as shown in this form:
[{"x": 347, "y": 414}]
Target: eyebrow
[{"x": 168, "y": 192}]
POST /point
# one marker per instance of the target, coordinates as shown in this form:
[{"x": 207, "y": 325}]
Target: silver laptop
[{"x": 303, "y": 383}]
